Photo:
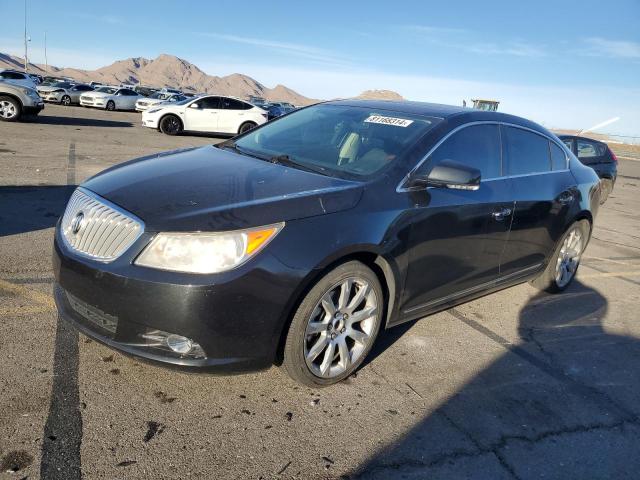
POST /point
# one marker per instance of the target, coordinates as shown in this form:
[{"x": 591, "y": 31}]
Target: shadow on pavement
[
  {"x": 32, "y": 207},
  {"x": 77, "y": 121},
  {"x": 561, "y": 403},
  {"x": 62, "y": 440}
]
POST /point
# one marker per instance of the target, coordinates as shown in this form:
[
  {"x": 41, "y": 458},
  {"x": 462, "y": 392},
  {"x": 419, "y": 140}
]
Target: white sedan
[
  {"x": 111, "y": 98},
  {"x": 157, "y": 98},
  {"x": 209, "y": 113}
]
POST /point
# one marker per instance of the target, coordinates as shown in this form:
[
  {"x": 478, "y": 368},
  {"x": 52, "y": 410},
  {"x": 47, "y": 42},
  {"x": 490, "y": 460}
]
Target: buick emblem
[{"x": 77, "y": 222}]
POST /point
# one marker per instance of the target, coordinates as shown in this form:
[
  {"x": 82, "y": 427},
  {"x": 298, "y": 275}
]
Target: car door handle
[
  {"x": 501, "y": 214},
  {"x": 565, "y": 197}
]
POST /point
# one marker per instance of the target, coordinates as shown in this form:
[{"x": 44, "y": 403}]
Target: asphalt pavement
[{"x": 515, "y": 385}]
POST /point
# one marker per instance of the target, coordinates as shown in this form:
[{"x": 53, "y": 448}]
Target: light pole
[
  {"x": 26, "y": 55},
  {"x": 46, "y": 62}
]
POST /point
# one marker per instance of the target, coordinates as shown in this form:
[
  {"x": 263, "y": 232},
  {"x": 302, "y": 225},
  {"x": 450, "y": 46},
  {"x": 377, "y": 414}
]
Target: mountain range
[{"x": 171, "y": 71}]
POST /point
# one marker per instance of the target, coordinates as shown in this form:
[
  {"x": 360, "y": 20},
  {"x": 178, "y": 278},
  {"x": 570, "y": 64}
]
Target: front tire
[
  {"x": 564, "y": 262},
  {"x": 111, "y": 105},
  {"x": 335, "y": 326},
  {"x": 10, "y": 109},
  {"x": 66, "y": 100},
  {"x": 170, "y": 125},
  {"x": 246, "y": 126}
]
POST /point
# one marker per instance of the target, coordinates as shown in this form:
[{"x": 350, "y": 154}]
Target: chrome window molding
[{"x": 401, "y": 186}]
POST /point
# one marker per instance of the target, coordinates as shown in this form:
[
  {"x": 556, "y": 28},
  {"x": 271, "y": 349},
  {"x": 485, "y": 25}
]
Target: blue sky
[{"x": 564, "y": 64}]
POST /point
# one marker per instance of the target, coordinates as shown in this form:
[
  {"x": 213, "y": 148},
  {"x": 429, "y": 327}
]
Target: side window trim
[{"x": 401, "y": 188}]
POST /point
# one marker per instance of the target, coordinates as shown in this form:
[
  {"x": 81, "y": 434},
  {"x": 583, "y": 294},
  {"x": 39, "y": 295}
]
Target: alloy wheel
[
  {"x": 569, "y": 257},
  {"x": 171, "y": 125},
  {"x": 341, "y": 327},
  {"x": 7, "y": 110},
  {"x": 66, "y": 101}
]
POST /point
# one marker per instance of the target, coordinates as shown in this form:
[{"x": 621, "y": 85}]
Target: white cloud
[
  {"x": 103, "y": 18},
  {"x": 598, "y": 46},
  {"x": 469, "y": 41},
  {"x": 307, "y": 52}
]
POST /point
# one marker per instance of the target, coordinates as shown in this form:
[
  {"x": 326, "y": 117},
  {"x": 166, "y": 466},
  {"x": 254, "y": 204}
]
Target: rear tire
[
  {"x": 606, "y": 189},
  {"x": 111, "y": 105},
  {"x": 66, "y": 100},
  {"x": 246, "y": 126},
  {"x": 335, "y": 326},
  {"x": 170, "y": 125},
  {"x": 10, "y": 109},
  {"x": 563, "y": 264}
]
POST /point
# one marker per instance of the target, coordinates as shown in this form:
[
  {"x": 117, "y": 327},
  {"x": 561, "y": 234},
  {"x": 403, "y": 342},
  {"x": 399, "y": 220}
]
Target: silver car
[
  {"x": 64, "y": 93},
  {"x": 17, "y": 101}
]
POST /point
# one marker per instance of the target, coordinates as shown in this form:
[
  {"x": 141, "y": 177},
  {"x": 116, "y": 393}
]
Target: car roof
[
  {"x": 567, "y": 135},
  {"x": 445, "y": 112}
]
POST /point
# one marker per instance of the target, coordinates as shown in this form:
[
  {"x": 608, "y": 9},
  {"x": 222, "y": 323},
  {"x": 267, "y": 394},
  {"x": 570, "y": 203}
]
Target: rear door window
[
  {"x": 590, "y": 152},
  {"x": 528, "y": 152},
  {"x": 233, "y": 104},
  {"x": 209, "y": 103},
  {"x": 558, "y": 157},
  {"x": 477, "y": 146}
]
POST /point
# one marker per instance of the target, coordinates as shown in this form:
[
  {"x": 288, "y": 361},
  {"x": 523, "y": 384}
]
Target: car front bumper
[
  {"x": 34, "y": 109},
  {"x": 149, "y": 121},
  {"x": 237, "y": 318}
]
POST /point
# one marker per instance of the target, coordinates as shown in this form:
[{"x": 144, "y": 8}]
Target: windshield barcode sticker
[{"x": 398, "y": 122}]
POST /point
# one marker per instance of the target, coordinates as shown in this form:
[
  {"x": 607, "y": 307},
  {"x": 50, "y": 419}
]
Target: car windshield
[
  {"x": 156, "y": 95},
  {"x": 339, "y": 139},
  {"x": 109, "y": 90}
]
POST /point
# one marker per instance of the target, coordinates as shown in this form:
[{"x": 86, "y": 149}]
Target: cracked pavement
[{"x": 515, "y": 385}]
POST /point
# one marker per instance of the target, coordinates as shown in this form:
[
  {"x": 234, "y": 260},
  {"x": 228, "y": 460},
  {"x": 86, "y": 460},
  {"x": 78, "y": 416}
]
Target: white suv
[{"x": 210, "y": 113}]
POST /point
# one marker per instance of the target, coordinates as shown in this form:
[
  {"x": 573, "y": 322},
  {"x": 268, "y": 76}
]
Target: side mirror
[
  {"x": 194, "y": 105},
  {"x": 449, "y": 174}
]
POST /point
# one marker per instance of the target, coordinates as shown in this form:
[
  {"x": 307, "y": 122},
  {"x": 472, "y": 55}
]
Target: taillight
[{"x": 613, "y": 155}]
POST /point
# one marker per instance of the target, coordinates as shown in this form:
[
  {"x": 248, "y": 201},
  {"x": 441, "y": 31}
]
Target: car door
[
  {"x": 129, "y": 99},
  {"x": 457, "y": 236},
  {"x": 76, "y": 91},
  {"x": 202, "y": 115},
  {"x": 544, "y": 191},
  {"x": 233, "y": 114}
]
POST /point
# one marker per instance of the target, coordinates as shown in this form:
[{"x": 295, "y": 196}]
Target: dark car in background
[
  {"x": 596, "y": 155},
  {"x": 296, "y": 242}
]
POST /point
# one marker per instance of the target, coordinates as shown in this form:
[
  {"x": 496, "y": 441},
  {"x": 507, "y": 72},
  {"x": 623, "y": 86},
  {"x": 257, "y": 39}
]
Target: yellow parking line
[
  {"x": 632, "y": 273},
  {"x": 35, "y": 296}
]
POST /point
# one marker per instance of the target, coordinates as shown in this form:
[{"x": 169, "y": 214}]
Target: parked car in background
[
  {"x": 96, "y": 84},
  {"x": 170, "y": 90},
  {"x": 36, "y": 78},
  {"x": 597, "y": 155},
  {"x": 300, "y": 240},
  {"x": 146, "y": 91},
  {"x": 64, "y": 93},
  {"x": 17, "y": 101},
  {"x": 111, "y": 98},
  {"x": 273, "y": 111},
  {"x": 158, "y": 98},
  {"x": 18, "y": 78},
  {"x": 210, "y": 113},
  {"x": 285, "y": 106},
  {"x": 50, "y": 80}
]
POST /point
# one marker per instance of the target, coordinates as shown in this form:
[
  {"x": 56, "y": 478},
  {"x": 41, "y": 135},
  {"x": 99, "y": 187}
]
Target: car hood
[
  {"x": 209, "y": 189},
  {"x": 48, "y": 89}
]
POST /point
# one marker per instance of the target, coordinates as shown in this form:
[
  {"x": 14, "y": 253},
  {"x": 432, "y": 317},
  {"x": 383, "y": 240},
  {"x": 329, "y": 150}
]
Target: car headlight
[
  {"x": 203, "y": 252},
  {"x": 154, "y": 110}
]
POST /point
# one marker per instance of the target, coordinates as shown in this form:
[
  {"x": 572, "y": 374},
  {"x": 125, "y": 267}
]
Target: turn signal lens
[{"x": 206, "y": 252}]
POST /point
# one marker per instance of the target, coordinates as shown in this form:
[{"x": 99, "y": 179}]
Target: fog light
[
  {"x": 179, "y": 344},
  {"x": 175, "y": 343}
]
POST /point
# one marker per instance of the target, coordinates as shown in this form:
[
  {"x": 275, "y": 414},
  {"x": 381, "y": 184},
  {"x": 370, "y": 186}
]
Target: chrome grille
[{"x": 96, "y": 228}]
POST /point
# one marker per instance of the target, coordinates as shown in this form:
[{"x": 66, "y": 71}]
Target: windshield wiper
[{"x": 287, "y": 160}]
